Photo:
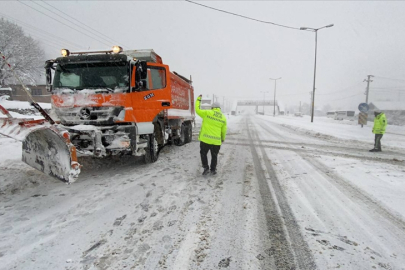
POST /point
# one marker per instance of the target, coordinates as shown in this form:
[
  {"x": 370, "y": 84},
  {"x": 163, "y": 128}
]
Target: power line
[
  {"x": 342, "y": 90},
  {"x": 323, "y": 94},
  {"x": 41, "y": 38},
  {"x": 348, "y": 96},
  {"x": 62, "y": 22},
  {"x": 389, "y": 91},
  {"x": 101, "y": 35},
  {"x": 242, "y": 16},
  {"x": 388, "y": 88},
  {"x": 28, "y": 26},
  {"x": 389, "y": 78},
  {"x": 295, "y": 94}
]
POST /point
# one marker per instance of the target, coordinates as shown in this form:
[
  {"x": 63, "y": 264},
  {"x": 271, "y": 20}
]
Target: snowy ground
[{"x": 290, "y": 194}]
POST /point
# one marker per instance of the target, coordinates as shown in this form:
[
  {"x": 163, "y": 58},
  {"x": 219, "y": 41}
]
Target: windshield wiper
[{"x": 107, "y": 89}]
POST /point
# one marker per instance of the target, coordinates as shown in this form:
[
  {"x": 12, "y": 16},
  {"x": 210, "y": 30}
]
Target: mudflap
[{"x": 50, "y": 151}]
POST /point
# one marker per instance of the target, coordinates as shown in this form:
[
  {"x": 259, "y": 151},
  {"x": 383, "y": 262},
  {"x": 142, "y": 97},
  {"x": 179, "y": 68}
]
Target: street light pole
[
  {"x": 316, "y": 45},
  {"x": 274, "y": 102}
]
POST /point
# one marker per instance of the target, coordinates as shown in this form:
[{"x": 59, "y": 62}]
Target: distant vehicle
[
  {"x": 330, "y": 114},
  {"x": 298, "y": 114},
  {"x": 344, "y": 115}
]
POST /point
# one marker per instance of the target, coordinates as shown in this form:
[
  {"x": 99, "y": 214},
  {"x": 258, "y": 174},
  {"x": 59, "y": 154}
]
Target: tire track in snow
[
  {"x": 349, "y": 189},
  {"x": 326, "y": 153},
  {"x": 239, "y": 223},
  {"x": 331, "y": 146},
  {"x": 356, "y": 193},
  {"x": 332, "y": 139},
  {"x": 210, "y": 224},
  {"x": 289, "y": 249},
  {"x": 387, "y": 221}
]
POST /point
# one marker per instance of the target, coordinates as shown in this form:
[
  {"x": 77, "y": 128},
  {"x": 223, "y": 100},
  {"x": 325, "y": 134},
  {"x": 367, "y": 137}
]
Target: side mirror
[
  {"x": 49, "y": 80},
  {"x": 143, "y": 69},
  {"x": 139, "y": 75}
]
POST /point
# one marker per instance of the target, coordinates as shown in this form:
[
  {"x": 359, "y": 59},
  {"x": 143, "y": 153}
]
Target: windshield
[{"x": 109, "y": 76}]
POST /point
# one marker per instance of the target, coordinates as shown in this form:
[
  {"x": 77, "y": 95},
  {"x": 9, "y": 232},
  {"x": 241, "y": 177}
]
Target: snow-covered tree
[{"x": 22, "y": 52}]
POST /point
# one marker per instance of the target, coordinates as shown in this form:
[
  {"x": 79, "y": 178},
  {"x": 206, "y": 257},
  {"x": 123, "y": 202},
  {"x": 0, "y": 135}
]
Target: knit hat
[{"x": 216, "y": 105}]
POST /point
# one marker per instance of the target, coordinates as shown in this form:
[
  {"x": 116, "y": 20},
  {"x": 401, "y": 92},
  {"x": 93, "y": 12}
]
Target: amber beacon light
[{"x": 65, "y": 52}]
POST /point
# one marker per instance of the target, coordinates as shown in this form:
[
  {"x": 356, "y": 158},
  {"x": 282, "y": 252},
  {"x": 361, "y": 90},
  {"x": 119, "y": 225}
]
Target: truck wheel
[
  {"x": 189, "y": 133},
  {"x": 151, "y": 150},
  {"x": 182, "y": 139}
]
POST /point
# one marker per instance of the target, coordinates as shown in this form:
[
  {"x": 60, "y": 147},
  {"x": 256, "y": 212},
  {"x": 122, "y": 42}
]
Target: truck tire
[
  {"x": 182, "y": 139},
  {"x": 189, "y": 133},
  {"x": 152, "y": 150}
]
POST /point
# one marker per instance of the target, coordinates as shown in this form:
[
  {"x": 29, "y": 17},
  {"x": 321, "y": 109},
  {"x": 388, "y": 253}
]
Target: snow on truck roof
[{"x": 148, "y": 55}]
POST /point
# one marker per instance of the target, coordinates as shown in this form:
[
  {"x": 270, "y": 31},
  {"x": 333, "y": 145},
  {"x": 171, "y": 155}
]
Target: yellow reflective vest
[
  {"x": 213, "y": 128},
  {"x": 380, "y": 122}
]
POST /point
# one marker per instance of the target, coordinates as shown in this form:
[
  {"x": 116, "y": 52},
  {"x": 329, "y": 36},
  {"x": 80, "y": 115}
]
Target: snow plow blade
[
  {"x": 51, "y": 152},
  {"x": 45, "y": 147}
]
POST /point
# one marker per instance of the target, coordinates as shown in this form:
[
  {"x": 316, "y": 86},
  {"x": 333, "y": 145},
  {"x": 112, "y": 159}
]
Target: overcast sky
[{"x": 235, "y": 57}]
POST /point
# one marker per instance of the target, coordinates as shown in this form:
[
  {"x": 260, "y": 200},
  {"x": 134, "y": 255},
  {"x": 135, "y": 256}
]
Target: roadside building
[
  {"x": 5, "y": 91},
  {"x": 16, "y": 92}
]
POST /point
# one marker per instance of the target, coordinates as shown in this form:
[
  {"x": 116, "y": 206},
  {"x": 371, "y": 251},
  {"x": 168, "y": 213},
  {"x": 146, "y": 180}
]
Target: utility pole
[
  {"x": 264, "y": 98},
  {"x": 368, "y": 85},
  {"x": 275, "y": 88},
  {"x": 310, "y": 104}
]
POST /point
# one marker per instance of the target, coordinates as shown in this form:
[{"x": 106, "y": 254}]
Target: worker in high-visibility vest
[
  {"x": 212, "y": 134},
  {"x": 380, "y": 123}
]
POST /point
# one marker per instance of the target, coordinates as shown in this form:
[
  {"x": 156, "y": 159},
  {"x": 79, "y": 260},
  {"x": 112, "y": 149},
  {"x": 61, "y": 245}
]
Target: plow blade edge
[{"x": 50, "y": 151}]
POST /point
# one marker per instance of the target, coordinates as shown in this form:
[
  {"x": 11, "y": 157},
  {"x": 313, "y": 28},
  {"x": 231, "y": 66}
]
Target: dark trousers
[
  {"x": 204, "y": 148},
  {"x": 377, "y": 141}
]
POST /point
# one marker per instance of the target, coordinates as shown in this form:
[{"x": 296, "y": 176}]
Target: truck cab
[{"x": 114, "y": 102}]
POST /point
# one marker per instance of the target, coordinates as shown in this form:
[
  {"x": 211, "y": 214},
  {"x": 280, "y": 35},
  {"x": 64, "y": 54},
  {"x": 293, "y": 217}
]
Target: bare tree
[{"x": 22, "y": 52}]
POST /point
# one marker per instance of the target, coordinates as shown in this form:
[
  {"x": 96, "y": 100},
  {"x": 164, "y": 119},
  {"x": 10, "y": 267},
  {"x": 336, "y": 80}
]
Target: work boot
[
  {"x": 206, "y": 171},
  {"x": 377, "y": 150},
  {"x": 372, "y": 150},
  {"x": 214, "y": 172}
]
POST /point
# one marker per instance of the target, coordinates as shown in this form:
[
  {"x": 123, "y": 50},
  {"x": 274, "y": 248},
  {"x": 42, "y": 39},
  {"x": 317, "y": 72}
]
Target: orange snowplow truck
[{"x": 119, "y": 102}]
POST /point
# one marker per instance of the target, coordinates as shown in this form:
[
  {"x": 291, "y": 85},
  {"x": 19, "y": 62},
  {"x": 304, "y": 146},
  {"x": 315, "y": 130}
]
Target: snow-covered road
[{"x": 289, "y": 195}]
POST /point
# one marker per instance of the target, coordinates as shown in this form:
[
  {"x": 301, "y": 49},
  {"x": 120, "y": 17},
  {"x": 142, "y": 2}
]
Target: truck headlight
[
  {"x": 121, "y": 116},
  {"x": 117, "y": 49},
  {"x": 65, "y": 52}
]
